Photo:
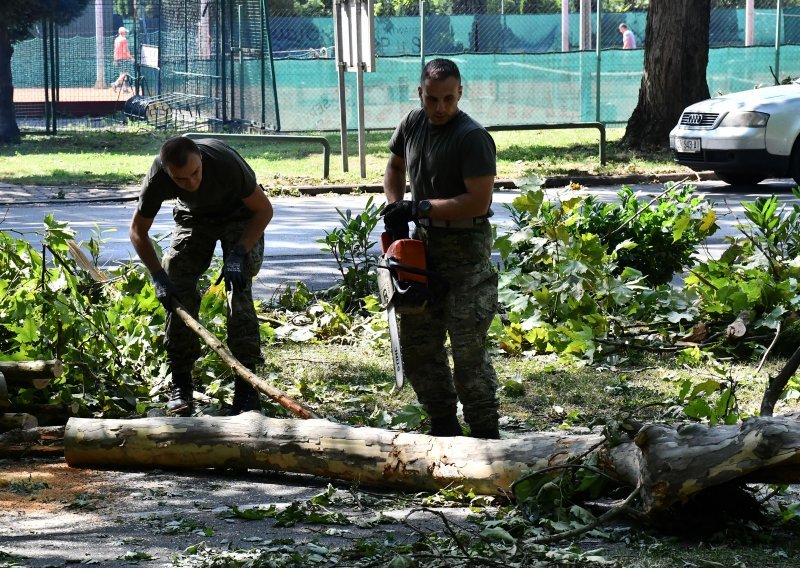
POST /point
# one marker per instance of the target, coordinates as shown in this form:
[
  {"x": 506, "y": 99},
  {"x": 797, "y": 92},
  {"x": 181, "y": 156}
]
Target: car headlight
[{"x": 745, "y": 118}]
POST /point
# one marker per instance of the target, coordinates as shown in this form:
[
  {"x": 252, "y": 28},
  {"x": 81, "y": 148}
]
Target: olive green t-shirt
[
  {"x": 449, "y": 153},
  {"x": 227, "y": 180}
]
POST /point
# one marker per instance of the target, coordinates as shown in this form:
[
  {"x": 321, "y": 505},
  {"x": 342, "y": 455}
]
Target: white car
[{"x": 743, "y": 137}]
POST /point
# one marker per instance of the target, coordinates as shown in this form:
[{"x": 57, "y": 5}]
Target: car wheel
[{"x": 737, "y": 178}]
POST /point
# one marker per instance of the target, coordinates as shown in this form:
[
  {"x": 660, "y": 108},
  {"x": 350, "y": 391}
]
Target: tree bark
[
  {"x": 670, "y": 465},
  {"x": 4, "y": 400},
  {"x": 778, "y": 383},
  {"x": 737, "y": 329},
  {"x": 42, "y": 440},
  {"x": 17, "y": 420},
  {"x": 675, "y": 60},
  {"x": 27, "y": 373},
  {"x": 9, "y": 131}
]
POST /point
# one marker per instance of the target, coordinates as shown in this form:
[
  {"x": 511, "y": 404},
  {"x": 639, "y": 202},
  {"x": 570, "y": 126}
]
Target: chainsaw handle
[{"x": 392, "y": 264}]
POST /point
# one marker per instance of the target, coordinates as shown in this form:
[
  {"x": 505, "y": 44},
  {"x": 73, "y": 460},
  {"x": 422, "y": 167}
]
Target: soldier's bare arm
[
  {"x": 140, "y": 239},
  {"x": 260, "y": 205},
  {"x": 394, "y": 179}
]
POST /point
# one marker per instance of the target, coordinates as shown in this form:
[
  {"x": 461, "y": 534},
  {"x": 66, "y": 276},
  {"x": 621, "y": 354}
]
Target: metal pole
[
  {"x": 362, "y": 141},
  {"x": 185, "y": 37},
  {"x": 422, "y": 33},
  {"x": 241, "y": 65},
  {"x": 564, "y": 25},
  {"x": 46, "y": 73},
  {"x": 99, "y": 48},
  {"x": 223, "y": 64},
  {"x": 597, "y": 73},
  {"x": 160, "y": 46},
  {"x": 340, "y": 67},
  {"x": 233, "y": 62},
  {"x": 749, "y": 21},
  {"x": 778, "y": 18},
  {"x": 54, "y": 73},
  {"x": 272, "y": 68}
]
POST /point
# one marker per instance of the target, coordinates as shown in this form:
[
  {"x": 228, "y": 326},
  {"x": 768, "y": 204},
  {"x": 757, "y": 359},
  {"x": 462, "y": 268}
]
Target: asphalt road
[{"x": 292, "y": 251}]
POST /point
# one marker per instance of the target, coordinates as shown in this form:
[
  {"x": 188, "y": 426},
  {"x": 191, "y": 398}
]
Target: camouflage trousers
[
  {"x": 189, "y": 256},
  {"x": 465, "y": 309}
]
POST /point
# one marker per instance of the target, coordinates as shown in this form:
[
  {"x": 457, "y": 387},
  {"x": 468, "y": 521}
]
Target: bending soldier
[{"x": 217, "y": 200}]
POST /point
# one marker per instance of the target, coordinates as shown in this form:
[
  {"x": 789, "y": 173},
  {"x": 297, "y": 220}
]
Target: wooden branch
[
  {"x": 4, "y": 400},
  {"x": 63, "y": 410},
  {"x": 211, "y": 340},
  {"x": 767, "y": 351},
  {"x": 778, "y": 383},
  {"x": 737, "y": 329},
  {"x": 31, "y": 441},
  {"x": 35, "y": 374},
  {"x": 17, "y": 420}
]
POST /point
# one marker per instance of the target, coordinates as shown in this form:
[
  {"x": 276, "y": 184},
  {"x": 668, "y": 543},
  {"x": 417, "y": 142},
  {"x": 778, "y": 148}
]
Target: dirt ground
[{"x": 52, "y": 515}]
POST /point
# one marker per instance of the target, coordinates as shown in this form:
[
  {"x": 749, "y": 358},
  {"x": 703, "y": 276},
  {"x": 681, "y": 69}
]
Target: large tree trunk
[
  {"x": 675, "y": 60},
  {"x": 669, "y": 464},
  {"x": 9, "y": 131}
]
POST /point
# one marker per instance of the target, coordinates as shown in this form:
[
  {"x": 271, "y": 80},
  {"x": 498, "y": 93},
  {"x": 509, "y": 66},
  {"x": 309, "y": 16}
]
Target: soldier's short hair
[
  {"x": 439, "y": 69},
  {"x": 175, "y": 151}
]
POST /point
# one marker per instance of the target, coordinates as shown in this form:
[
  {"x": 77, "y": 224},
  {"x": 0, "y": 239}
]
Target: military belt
[{"x": 453, "y": 224}]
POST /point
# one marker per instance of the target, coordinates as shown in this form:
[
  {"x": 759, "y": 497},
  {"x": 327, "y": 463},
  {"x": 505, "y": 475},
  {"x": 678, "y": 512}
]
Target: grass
[
  {"x": 122, "y": 156},
  {"x": 538, "y": 393}
]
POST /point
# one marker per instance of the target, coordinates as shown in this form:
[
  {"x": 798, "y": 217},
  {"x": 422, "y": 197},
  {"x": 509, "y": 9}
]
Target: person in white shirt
[{"x": 628, "y": 39}]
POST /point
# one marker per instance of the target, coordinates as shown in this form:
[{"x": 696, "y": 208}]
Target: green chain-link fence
[{"x": 278, "y": 71}]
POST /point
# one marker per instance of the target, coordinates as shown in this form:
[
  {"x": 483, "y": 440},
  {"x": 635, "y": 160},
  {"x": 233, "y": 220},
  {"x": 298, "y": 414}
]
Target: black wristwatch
[{"x": 423, "y": 209}]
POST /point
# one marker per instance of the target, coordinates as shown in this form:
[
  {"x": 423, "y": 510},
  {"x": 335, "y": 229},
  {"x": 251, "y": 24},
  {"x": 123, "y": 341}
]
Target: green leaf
[{"x": 497, "y": 533}]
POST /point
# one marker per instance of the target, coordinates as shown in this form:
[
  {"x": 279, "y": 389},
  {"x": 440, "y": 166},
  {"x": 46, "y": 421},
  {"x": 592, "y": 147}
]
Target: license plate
[{"x": 687, "y": 145}]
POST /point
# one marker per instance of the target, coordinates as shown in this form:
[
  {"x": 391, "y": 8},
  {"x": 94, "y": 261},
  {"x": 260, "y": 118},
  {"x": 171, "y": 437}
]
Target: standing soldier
[
  {"x": 217, "y": 199},
  {"x": 450, "y": 160}
]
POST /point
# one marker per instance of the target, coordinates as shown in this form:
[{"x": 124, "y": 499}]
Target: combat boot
[
  {"x": 486, "y": 432},
  {"x": 245, "y": 398},
  {"x": 445, "y": 426},
  {"x": 180, "y": 395}
]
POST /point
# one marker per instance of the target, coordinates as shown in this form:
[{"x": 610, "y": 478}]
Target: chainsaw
[{"x": 403, "y": 285}]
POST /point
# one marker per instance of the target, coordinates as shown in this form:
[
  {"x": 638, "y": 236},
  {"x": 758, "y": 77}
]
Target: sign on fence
[{"x": 149, "y": 56}]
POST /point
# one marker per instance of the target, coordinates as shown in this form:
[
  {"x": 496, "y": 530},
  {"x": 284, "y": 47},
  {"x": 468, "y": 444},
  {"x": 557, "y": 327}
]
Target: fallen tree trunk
[
  {"x": 670, "y": 464},
  {"x": 17, "y": 420},
  {"x": 31, "y": 441},
  {"x": 4, "y": 400},
  {"x": 36, "y": 374}
]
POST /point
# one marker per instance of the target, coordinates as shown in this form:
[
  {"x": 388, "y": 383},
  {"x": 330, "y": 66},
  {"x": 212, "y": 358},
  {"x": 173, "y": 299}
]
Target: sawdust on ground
[{"x": 47, "y": 487}]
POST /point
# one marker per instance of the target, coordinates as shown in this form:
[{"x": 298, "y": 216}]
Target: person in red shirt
[{"x": 122, "y": 60}]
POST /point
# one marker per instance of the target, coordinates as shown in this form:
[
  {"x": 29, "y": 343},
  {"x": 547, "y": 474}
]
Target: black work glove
[
  {"x": 165, "y": 290},
  {"x": 234, "y": 269},
  {"x": 396, "y": 217}
]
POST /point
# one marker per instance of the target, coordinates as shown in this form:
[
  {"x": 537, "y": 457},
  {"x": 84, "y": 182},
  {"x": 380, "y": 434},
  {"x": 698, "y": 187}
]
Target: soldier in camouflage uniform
[
  {"x": 450, "y": 160},
  {"x": 217, "y": 200}
]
